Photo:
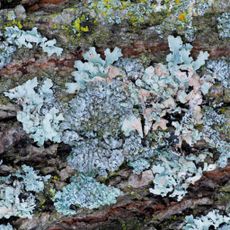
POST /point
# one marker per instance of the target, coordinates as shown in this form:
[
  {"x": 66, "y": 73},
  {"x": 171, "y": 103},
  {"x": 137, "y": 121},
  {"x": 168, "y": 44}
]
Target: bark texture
[{"x": 137, "y": 209}]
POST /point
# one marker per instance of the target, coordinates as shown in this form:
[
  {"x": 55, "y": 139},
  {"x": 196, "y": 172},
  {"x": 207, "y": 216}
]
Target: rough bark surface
[{"x": 137, "y": 209}]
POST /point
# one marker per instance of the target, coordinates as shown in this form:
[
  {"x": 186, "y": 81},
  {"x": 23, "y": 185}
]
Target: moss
[
  {"x": 123, "y": 226},
  {"x": 225, "y": 189},
  {"x": 42, "y": 202},
  {"x": 51, "y": 192},
  {"x": 224, "y": 199},
  {"x": 56, "y": 178},
  {"x": 131, "y": 224}
]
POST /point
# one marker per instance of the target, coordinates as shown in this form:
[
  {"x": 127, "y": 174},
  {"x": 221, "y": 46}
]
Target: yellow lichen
[
  {"x": 77, "y": 25},
  {"x": 182, "y": 17},
  {"x": 14, "y": 22}
]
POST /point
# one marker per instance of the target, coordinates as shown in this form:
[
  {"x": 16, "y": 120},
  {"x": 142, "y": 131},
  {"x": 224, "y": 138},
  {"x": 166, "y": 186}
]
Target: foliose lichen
[
  {"x": 40, "y": 115},
  {"x": 17, "y": 192},
  {"x": 99, "y": 109},
  {"x": 6, "y": 52},
  {"x": 139, "y": 165},
  {"x": 94, "y": 67},
  {"x": 84, "y": 192},
  {"x": 116, "y": 11},
  {"x": 220, "y": 69},
  {"x": 20, "y": 38},
  {"x": 180, "y": 15},
  {"x": 174, "y": 173},
  {"x": 14, "y": 38},
  {"x": 213, "y": 219},
  {"x": 6, "y": 227},
  {"x": 132, "y": 115},
  {"x": 97, "y": 113},
  {"x": 95, "y": 157},
  {"x": 224, "y": 25},
  {"x": 212, "y": 136}
]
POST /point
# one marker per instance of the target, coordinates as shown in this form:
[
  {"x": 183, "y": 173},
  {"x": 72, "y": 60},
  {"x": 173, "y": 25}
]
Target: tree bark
[{"x": 137, "y": 209}]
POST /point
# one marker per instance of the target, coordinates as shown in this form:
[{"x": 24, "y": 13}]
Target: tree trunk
[{"x": 137, "y": 209}]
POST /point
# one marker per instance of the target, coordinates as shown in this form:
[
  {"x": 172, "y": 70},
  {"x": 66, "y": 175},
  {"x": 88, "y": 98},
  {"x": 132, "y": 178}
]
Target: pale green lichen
[
  {"x": 20, "y": 38},
  {"x": 224, "y": 25},
  {"x": 129, "y": 115},
  {"x": 84, "y": 192},
  {"x": 6, "y": 52},
  {"x": 213, "y": 137},
  {"x": 6, "y": 227},
  {"x": 13, "y": 38},
  {"x": 220, "y": 69},
  {"x": 94, "y": 67},
  {"x": 40, "y": 115},
  {"x": 17, "y": 192},
  {"x": 139, "y": 165},
  {"x": 116, "y": 11},
  {"x": 214, "y": 219},
  {"x": 173, "y": 173}
]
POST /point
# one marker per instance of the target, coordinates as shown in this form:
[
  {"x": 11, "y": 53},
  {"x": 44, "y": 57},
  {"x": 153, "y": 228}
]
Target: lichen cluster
[
  {"x": 224, "y": 25},
  {"x": 40, "y": 115},
  {"x": 121, "y": 113},
  {"x": 220, "y": 69},
  {"x": 6, "y": 227},
  {"x": 116, "y": 11},
  {"x": 14, "y": 38},
  {"x": 17, "y": 192},
  {"x": 84, "y": 192},
  {"x": 174, "y": 173},
  {"x": 213, "y": 219},
  {"x": 118, "y": 116},
  {"x": 179, "y": 14}
]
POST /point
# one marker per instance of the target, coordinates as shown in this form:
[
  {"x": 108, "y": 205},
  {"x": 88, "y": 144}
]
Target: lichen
[
  {"x": 121, "y": 113},
  {"x": 94, "y": 67},
  {"x": 97, "y": 113},
  {"x": 139, "y": 165},
  {"x": 213, "y": 219},
  {"x": 15, "y": 38},
  {"x": 212, "y": 136},
  {"x": 78, "y": 27},
  {"x": 94, "y": 157},
  {"x": 224, "y": 25},
  {"x": 221, "y": 71},
  {"x": 6, "y": 52},
  {"x": 6, "y": 227},
  {"x": 173, "y": 173},
  {"x": 19, "y": 38},
  {"x": 84, "y": 192},
  {"x": 17, "y": 192},
  {"x": 40, "y": 115}
]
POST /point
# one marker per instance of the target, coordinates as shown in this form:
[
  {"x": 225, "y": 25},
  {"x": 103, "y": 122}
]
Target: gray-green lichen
[
  {"x": 84, "y": 192},
  {"x": 94, "y": 67},
  {"x": 220, "y": 70},
  {"x": 213, "y": 137},
  {"x": 224, "y": 25},
  {"x": 121, "y": 113},
  {"x": 173, "y": 173},
  {"x": 213, "y": 219},
  {"x": 6, "y": 227},
  {"x": 17, "y": 192},
  {"x": 40, "y": 115},
  {"x": 6, "y": 52},
  {"x": 14, "y": 38}
]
